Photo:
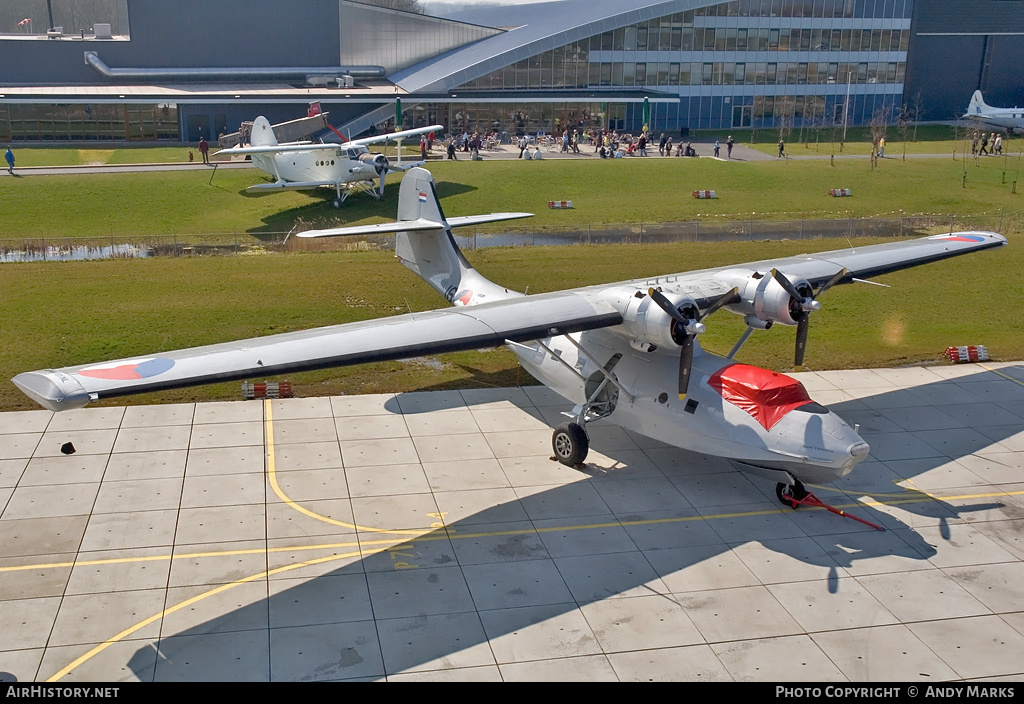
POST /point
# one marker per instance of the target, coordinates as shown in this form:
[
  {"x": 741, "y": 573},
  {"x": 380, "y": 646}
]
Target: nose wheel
[
  {"x": 791, "y": 495},
  {"x": 795, "y": 495},
  {"x": 570, "y": 444}
]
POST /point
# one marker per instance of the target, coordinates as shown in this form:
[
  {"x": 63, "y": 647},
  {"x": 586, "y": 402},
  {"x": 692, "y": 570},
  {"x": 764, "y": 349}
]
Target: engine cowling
[
  {"x": 650, "y": 327},
  {"x": 769, "y": 301},
  {"x": 371, "y": 165}
]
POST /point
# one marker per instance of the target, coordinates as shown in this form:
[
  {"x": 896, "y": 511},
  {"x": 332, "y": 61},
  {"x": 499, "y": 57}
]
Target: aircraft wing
[
  {"x": 518, "y": 319},
  {"x": 395, "y": 136},
  {"x": 289, "y": 185},
  {"x": 875, "y": 260}
]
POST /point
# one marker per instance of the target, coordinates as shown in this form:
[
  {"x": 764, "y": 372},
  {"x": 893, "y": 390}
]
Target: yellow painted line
[
  {"x": 1005, "y": 376},
  {"x": 434, "y": 535},
  {"x": 188, "y": 602},
  {"x": 272, "y": 476},
  {"x": 382, "y": 545}
]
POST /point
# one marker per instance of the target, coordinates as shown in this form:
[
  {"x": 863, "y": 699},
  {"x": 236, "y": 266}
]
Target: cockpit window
[{"x": 766, "y": 395}]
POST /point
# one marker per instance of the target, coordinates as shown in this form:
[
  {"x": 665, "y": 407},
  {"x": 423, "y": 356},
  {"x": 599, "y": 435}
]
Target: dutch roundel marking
[
  {"x": 463, "y": 297},
  {"x": 958, "y": 238},
  {"x": 141, "y": 369}
]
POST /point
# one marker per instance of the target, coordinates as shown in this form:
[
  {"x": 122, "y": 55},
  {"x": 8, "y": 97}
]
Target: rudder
[{"x": 262, "y": 133}]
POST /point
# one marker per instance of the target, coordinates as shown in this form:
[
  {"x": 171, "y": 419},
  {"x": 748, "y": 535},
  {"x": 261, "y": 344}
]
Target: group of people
[{"x": 996, "y": 143}]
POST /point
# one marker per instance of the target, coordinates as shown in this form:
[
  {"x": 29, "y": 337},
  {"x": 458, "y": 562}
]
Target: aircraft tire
[
  {"x": 336, "y": 202},
  {"x": 570, "y": 443},
  {"x": 785, "y": 496}
]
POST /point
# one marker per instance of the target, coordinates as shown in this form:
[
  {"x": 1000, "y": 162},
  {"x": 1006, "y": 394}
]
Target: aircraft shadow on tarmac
[{"x": 479, "y": 563}]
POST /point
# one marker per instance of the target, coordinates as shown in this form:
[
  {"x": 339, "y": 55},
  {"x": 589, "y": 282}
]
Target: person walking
[
  {"x": 10, "y": 161},
  {"x": 782, "y": 149},
  {"x": 728, "y": 146},
  {"x": 204, "y": 149},
  {"x": 717, "y": 148}
]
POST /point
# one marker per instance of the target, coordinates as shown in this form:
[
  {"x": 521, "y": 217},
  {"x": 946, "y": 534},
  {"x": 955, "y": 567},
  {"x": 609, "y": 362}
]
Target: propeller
[
  {"x": 802, "y": 306},
  {"x": 382, "y": 165},
  {"x": 688, "y": 326}
]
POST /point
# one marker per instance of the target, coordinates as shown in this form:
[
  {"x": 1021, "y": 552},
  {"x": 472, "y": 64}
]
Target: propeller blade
[
  {"x": 801, "y": 340},
  {"x": 666, "y": 305},
  {"x": 831, "y": 282},
  {"x": 787, "y": 284},
  {"x": 723, "y": 300},
  {"x": 685, "y": 364}
]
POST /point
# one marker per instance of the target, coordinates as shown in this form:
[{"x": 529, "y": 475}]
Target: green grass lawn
[
  {"x": 61, "y": 314},
  {"x": 604, "y": 192},
  {"x": 67, "y": 313}
]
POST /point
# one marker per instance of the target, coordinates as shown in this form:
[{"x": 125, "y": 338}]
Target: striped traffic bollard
[
  {"x": 839, "y": 192},
  {"x": 967, "y": 353},
  {"x": 705, "y": 194},
  {"x": 560, "y": 204}
]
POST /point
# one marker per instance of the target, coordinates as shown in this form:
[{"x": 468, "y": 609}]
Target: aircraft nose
[{"x": 859, "y": 450}]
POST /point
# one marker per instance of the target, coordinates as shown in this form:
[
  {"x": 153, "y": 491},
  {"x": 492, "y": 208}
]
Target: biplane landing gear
[
  {"x": 791, "y": 494},
  {"x": 336, "y": 202},
  {"x": 570, "y": 443}
]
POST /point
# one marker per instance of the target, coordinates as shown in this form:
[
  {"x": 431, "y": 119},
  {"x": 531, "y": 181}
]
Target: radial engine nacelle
[
  {"x": 649, "y": 326},
  {"x": 762, "y": 296},
  {"x": 371, "y": 166}
]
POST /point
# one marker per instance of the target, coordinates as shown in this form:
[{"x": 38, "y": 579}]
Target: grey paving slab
[
  {"x": 24, "y": 421},
  {"x": 787, "y": 659},
  {"x": 139, "y": 495},
  {"x": 146, "y": 465},
  {"x": 982, "y": 646},
  {"x": 227, "y": 412},
  {"x": 64, "y": 469},
  {"x": 51, "y": 500},
  {"x": 427, "y": 536},
  {"x": 168, "y": 414},
  {"x": 433, "y": 642},
  {"x": 87, "y": 419},
  {"x": 110, "y": 571},
  {"x": 85, "y": 442},
  {"x": 35, "y": 576},
  {"x": 11, "y": 471},
  {"x": 130, "y": 529},
  {"x": 883, "y": 654},
  {"x": 581, "y": 668},
  {"x": 94, "y": 618}
]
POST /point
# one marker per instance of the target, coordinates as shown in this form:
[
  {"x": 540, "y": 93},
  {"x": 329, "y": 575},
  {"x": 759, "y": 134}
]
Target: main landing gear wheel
[
  {"x": 570, "y": 443},
  {"x": 786, "y": 494},
  {"x": 336, "y": 202}
]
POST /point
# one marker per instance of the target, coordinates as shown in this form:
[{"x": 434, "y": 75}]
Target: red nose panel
[{"x": 766, "y": 395}]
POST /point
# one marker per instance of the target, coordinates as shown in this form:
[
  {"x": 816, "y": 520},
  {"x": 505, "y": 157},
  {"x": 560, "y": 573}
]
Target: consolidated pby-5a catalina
[
  {"x": 346, "y": 167},
  {"x": 626, "y": 352}
]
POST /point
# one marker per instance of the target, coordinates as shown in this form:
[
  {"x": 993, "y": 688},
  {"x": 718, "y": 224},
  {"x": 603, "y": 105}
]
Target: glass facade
[
  {"x": 102, "y": 121},
  {"x": 738, "y": 64}
]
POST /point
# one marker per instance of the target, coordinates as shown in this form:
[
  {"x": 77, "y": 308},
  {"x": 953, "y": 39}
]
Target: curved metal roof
[{"x": 560, "y": 24}]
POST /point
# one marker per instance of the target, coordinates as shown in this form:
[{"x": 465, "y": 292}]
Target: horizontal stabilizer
[
  {"x": 379, "y": 228},
  {"x": 413, "y": 225},
  {"x": 463, "y": 220}
]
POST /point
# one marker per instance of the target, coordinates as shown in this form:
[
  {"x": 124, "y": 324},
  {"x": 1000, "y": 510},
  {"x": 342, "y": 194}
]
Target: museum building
[{"x": 142, "y": 70}]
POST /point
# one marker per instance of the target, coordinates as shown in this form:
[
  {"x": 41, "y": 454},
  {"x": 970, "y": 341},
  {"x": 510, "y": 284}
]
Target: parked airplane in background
[
  {"x": 346, "y": 167},
  {"x": 627, "y": 352},
  {"x": 1008, "y": 119}
]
